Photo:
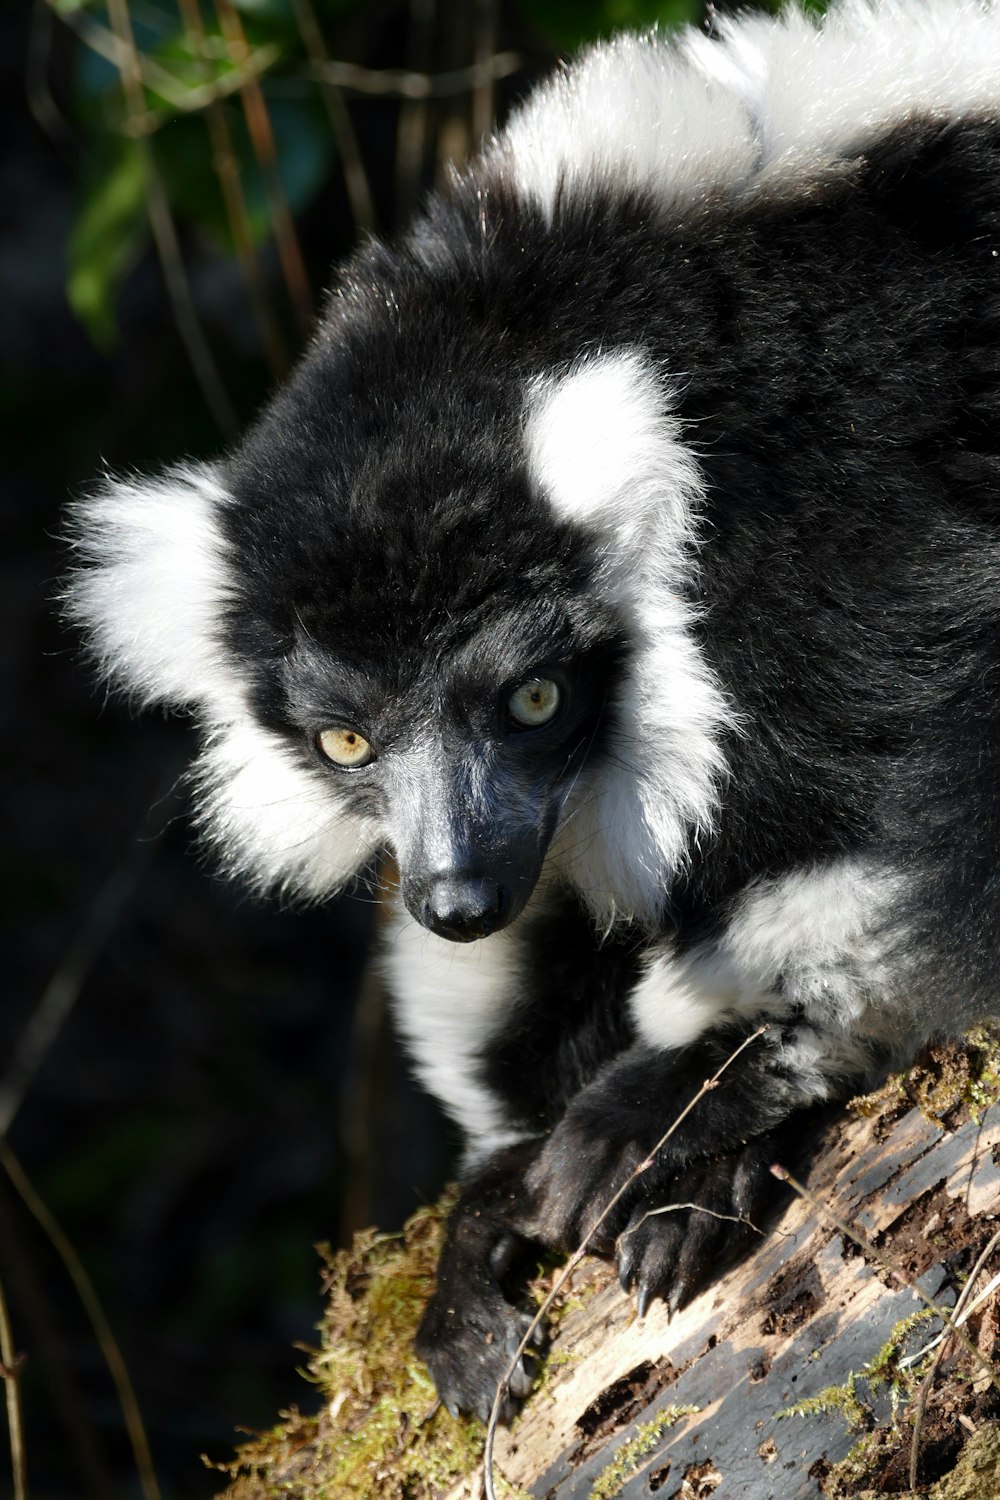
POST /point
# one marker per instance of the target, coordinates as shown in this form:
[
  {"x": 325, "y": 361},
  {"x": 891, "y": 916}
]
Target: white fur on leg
[{"x": 814, "y": 944}]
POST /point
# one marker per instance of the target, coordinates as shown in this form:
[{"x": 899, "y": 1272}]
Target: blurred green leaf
[
  {"x": 569, "y": 23},
  {"x": 105, "y": 239}
]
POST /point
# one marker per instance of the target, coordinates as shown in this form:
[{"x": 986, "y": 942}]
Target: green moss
[
  {"x": 983, "y": 1089},
  {"x": 380, "y": 1433},
  {"x": 976, "y": 1476},
  {"x": 630, "y": 1454},
  {"x": 882, "y": 1371},
  {"x": 943, "y": 1079},
  {"x": 842, "y": 1398},
  {"x": 849, "y": 1476}
]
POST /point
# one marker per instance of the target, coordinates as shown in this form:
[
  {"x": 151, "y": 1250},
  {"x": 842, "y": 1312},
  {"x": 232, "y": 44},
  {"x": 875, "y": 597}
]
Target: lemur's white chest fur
[{"x": 449, "y": 1000}]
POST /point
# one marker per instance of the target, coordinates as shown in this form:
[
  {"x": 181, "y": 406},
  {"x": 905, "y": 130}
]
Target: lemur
[{"x": 623, "y": 557}]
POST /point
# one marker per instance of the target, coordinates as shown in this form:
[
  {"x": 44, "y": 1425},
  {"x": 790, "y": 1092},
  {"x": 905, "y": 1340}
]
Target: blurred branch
[
  {"x": 262, "y": 136},
  {"x": 161, "y": 222},
  {"x": 227, "y": 172},
  {"x": 41, "y": 103},
  {"x": 63, "y": 989},
  {"x": 404, "y": 83},
  {"x": 413, "y": 125},
  {"x": 95, "y": 1312},
  {"x": 189, "y": 100},
  {"x": 9, "y": 1371},
  {"x": 484, "y": 51},
  {"x": 114, "y": 48},
  {"x": 251, "y": 64},
  {"x": 352, "y": 165},
  {"x": 55, "y": 1356}
]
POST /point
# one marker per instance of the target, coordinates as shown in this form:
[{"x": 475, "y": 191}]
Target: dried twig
[
  {"x": 46, "y": 112},
  {"x": 64, "y": 987},
  {"x": 355, "y": 177},
  {"x": 227, "y": 172},
  {"x": 963, "y": 1307},
  {"x": 158, "y": 79},
  {"x": 266, "y": 151},
  {"x": 9, "y": 1370},
  {"x": 405, "y": 83},
  {"x": 414, "y": 120},
  {"x": 581, "y": 1250},
  {"x": 484, "y": 41},
  {"x": 51, "y": 1347},
  {"x": 95, "y": 1312}
]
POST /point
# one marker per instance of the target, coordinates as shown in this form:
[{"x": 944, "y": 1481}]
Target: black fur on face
[{"x": 406, "y": 599}]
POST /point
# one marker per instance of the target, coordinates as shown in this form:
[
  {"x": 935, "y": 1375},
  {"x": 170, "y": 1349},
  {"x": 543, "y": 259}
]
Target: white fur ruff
[
  {"x": 606, "y": 452},
  {"x": 769, "y": 104}
]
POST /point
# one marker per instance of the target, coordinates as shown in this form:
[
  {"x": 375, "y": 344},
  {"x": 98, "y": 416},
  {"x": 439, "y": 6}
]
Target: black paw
[
  {"x": 582, "y": 1166},
  {"x": 679, "y": 1239},
  {"x": 468, "y": 1342}
]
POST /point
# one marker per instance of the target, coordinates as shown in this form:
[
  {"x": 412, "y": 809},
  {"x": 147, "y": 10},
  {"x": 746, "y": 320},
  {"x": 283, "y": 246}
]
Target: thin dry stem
[
  {"x": 484, "y": 43},
  {"x": 411, "y": 83},
  {"x": 158, "y": 79},
  {"x": 227, "y": 172},
  {"x": 63, "y": 989},
  {"x": 355, "y": 177},
  {"x": 927, "y": 1384},
  {"x": 44, "y": 109},
  {"x": 15, "y": 1425},
  {"x": 95, "y": 1312},
  {"x": 581, "y": 1250},
  {"x": 265, "y": 149},
  {"x": 414, "y": 122}
]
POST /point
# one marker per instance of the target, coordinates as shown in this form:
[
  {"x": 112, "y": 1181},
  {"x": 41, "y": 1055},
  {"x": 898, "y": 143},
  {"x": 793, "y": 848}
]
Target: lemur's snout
[{"x": 462, "y": 908}]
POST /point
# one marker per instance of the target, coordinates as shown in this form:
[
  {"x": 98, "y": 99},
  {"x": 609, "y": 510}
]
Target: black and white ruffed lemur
[{"x": 624, "y": 557}]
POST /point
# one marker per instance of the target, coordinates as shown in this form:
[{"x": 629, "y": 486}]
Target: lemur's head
[{"x": 429, "y": 604}]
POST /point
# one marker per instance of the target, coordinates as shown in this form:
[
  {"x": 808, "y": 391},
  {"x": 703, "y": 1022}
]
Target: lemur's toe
[
  {"x": 647, "y": 1252},
  {"x": 672, "y": 1247}
]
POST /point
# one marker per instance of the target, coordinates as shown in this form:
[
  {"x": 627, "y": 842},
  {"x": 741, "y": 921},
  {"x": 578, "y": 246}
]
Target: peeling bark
[
  {"x": 802, "y": 1314},
  {"x": 803, "y": 1323}
]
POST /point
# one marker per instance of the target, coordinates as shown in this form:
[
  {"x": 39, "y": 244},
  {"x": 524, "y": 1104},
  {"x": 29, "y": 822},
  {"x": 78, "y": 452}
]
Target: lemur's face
[
  {"x": 411, "y": 611},
  {"x": 421, "y": 628},
  {"x": 450, "y": 701},
  {"x": 464, "y": 753}
]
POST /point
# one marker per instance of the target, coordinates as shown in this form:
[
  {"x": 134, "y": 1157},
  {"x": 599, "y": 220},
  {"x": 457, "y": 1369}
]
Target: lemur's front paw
[
  {"x": 678, "y": 1236},
  {"x": 580, "y": 1168},
  {"x": 467, "y": 1340},
  {"x": 673, "y": 1224}
]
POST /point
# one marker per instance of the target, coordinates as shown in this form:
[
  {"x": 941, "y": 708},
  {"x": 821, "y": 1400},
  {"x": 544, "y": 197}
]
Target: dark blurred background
[{"x": 196, "y": 1088}]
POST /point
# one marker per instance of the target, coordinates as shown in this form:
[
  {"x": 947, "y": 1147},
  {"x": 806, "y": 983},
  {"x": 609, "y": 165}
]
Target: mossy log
[{"x": 787, "y": 1378}]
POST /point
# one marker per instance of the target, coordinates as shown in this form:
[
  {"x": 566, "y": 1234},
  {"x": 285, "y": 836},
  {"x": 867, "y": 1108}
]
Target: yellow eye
[
  {"x": 345, "y": 747},
  {"x": 534, "y": 703}
]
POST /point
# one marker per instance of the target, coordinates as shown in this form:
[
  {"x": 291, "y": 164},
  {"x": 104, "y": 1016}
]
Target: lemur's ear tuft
[{"x": 150, "y": 585}]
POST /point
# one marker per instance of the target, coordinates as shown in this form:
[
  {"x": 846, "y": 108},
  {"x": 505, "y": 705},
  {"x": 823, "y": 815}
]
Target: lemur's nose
[{"x": 462, "y": 908}]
